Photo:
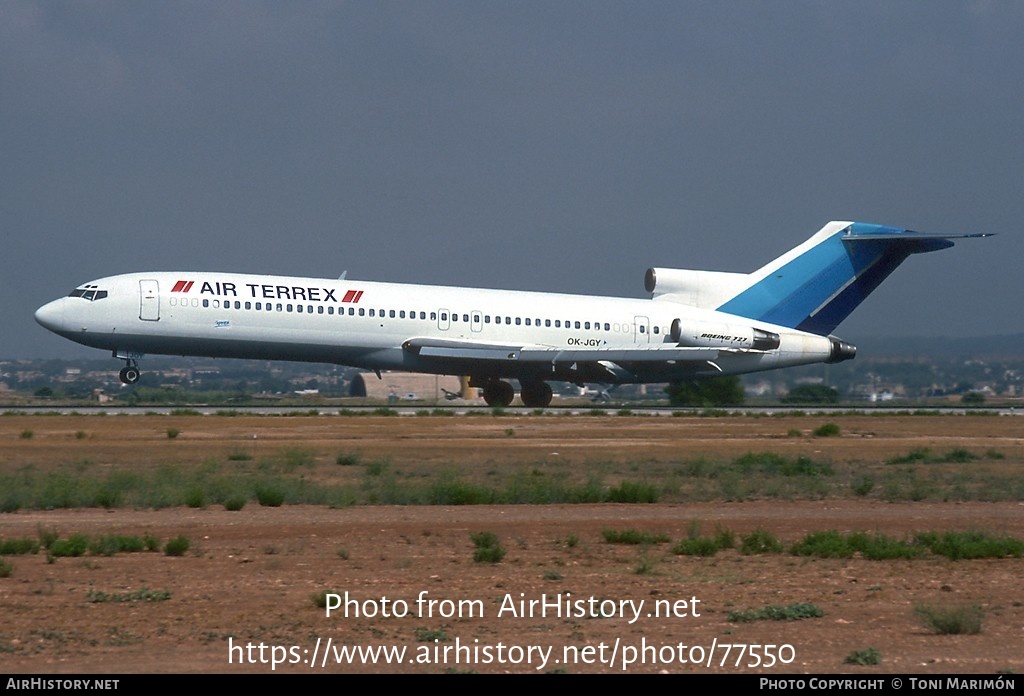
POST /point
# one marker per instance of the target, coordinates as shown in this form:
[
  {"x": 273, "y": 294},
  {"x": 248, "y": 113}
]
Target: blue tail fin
[{"x": 815, "y": 286}]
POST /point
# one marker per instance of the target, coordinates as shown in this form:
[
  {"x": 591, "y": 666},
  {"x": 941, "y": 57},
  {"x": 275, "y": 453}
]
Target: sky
[{"x": 559, "y": 146}]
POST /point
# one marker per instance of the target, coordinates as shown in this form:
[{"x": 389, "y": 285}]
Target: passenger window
[
  {"x": 547, "y": 323},
  {"x": 577, "y": 325},
  {"x": 527, "y": 321},
  {"x": 206, "y": 303},
  {"x": 391, "y": 314},
  {"x": 586, "y": 325}
]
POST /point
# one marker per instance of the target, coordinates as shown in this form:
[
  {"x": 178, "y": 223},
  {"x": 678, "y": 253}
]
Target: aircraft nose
[{"x": 51, "y": 315}]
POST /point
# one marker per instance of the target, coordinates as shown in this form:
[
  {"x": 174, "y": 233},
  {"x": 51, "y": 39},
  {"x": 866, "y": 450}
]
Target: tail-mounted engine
[{"x": 720, "y": 335}]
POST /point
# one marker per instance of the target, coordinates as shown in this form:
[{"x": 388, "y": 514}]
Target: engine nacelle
[
  {"x": 705, "y": 289},
  {"x": 721, "y": 335}
]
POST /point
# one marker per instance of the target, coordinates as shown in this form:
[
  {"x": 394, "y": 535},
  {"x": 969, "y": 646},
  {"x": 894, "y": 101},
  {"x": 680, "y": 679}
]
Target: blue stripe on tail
[{"x": 817, "y": 290}]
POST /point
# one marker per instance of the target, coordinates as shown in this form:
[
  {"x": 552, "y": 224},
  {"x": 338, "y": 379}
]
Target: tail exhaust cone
[{"x": 841, "y": 350}]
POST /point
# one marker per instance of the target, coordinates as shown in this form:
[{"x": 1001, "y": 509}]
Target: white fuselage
[{"x": 371, "y": 324}]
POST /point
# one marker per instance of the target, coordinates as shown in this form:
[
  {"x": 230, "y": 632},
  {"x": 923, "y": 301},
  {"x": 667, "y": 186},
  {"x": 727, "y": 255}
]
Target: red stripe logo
[
  {"x": 352, "y": 296},
  {"x": 182, "y": 286}
]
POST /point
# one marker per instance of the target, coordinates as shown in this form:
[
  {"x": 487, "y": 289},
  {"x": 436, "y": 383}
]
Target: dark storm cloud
[{"x": 559, "y": 146}]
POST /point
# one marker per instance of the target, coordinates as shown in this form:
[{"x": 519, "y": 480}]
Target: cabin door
[
  {"x": 149, "y": 300},
  {"x": 641, "y": 329}
]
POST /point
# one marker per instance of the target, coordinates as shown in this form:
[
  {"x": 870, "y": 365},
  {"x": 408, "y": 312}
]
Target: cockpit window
[{"x": 88, "y": 292}]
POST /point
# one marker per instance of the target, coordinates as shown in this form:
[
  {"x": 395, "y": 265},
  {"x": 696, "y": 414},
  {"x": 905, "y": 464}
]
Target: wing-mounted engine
[{"x": 721, "y": 335}]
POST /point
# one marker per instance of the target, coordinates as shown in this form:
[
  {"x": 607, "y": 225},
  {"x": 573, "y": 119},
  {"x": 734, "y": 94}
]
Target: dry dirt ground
[{"x": 242, "y": 598}]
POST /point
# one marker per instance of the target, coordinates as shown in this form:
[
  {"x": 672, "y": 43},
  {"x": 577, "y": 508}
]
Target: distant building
[{"x": 404, "y": 386}]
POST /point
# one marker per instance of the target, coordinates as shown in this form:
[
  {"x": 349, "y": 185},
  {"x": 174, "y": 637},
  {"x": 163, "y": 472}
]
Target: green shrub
[
  {"x": 867, "y": 656},
  {"x": 968, "y": 545},
  {"x": 141, "y": 595},
  {"x": 47, "y": 536},
  {"x": 760, "y": 541},
  {"x": 114, "y": 543},
  {"x": 830, "y": 544},
  {"x": 235, "y": 503},
  {"x": 775, "y": 612},
  {"x": 696, "y": 547},
  {"x": 826, "y": 430},
  {"x": 269, "y": 495},
  {"x": 74, "y": 546},
  {"x": 946, "y": 619},
  {"x": 18, "y": 547},
  {"x": 862, "y": 485},
  {"x": 348, "y": 459},
  {"x": 172, "y": 433},
  {"x": 918, "y": 454},
  {"x": 632, "y": 492},
  {"x": 959, "y": 456},
  {"x": 319, "y": 599},
  {"x": 6, "y": 568},
  {"x": 195, "y": 497},
  {"x": 424, "y": 635},
  {"x": 880, "y": 547},
  {"x": 488, "y": 550},
  {"x": 633, "y": 536},
  {"x": 177, "y": 546}
]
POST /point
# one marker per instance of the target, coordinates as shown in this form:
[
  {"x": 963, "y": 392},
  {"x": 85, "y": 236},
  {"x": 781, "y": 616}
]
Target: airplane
[{"x": 695, "y": 323}]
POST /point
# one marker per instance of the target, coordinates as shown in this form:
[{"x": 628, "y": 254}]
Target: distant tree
[
  {"x": 711, "y": 391},
  {"x": 811, "y": 394},
  {"x": 972, "y": 399},
  {"x": 44, "y": 392}
]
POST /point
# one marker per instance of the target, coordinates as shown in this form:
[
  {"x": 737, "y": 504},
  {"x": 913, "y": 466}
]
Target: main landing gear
[
  {"x": 130, "y": 373},
  {"x": 498, "y": 393},
  {"x": 533, "y": 394}
]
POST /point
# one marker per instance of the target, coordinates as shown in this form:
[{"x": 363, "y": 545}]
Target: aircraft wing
[
  {"x": 608, "y": 363},
  {"x": 470, "y": 350}
]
